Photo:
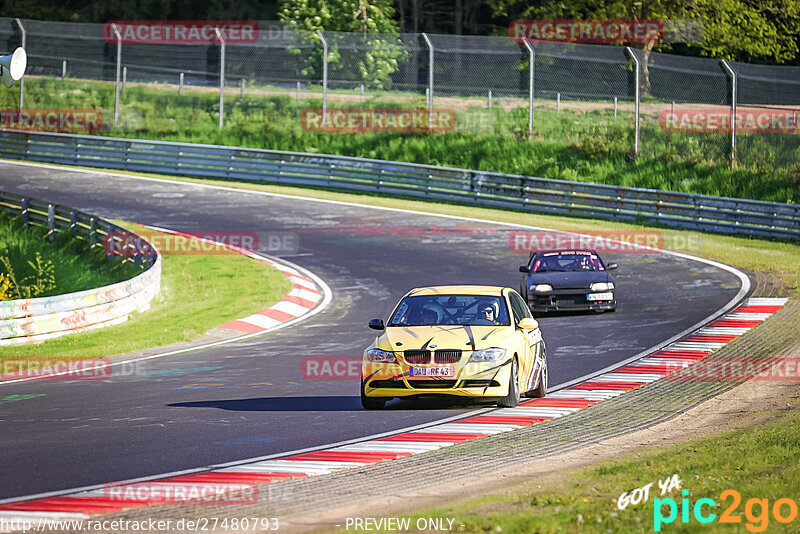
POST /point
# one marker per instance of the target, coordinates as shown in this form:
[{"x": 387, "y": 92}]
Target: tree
[
  {"x": 377, "y": 51},
  {"x": 731, "y": 29}
]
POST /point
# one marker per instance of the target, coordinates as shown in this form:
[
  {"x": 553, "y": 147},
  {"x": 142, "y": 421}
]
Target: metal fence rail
[
  {"x": 38, "y": 319},
  {"x": 543, "y": 195},
  {"x": 402, "y": 69}
]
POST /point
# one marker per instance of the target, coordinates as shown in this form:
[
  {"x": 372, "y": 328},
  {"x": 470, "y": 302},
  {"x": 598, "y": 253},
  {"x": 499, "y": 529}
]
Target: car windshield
[
  {"x": 567, "y": 261},
  {"x": 473, "y": 310}
]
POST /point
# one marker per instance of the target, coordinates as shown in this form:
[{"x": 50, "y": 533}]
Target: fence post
[
  {"x": 324, "y": 78},
  {"x": 22, "y": 80},
  {"x": 430, "y": 79},
  {"x": 558, "y": 102},
  {"x": 734, "y": 96},
  {"x": 531, "y": 73},
  {"x": 119, "y": 63},
  {"x": 180, "y": 85},
  {"x": 221, "y": 76},
  {"x": 638, "y": 95},
  {"x": 124, "y": 77},
  {"x": 615, "y": 107},
  {"x": 242, "y": 90},
  {"x": 51, "y": 221},
  {"x": 362, "y": 93},
  {"x": 490, "y": 99},
  {"x": 63, "y": 72},
  {"x": 24, "y": 211}
]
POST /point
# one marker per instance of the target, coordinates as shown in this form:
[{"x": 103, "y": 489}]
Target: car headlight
[
  {"x": 381, "y": 356},
  {"x": 542, "y": 288},
  {"x": 602, "y": 286},
  {"x": 487, "y": 355}
]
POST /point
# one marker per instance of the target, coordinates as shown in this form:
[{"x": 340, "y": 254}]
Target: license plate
[
  {"x": 600, "y": 296},
  {"x": 433, "y": 371}
]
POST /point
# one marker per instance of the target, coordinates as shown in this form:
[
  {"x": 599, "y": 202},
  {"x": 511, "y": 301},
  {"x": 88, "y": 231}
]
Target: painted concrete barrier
[{"x": 39, "y": 319}]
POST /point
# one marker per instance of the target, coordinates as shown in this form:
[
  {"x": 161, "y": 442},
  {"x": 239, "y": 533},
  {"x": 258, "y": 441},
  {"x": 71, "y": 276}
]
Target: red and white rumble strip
[
  {"x": 304, "y": 296},
  {"x": 672, "y": 358}
]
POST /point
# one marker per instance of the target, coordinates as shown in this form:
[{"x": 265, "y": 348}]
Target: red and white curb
[
  {"x": 305, "y": 295},
  {"x": 669, "y": 359}
]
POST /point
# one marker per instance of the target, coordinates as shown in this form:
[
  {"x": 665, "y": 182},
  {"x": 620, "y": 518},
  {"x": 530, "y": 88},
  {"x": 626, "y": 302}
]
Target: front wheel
[
  {"x": 541, "y": 389},
  {"x": 371, "y": 403},
  {"x": 512, "y": 399}
]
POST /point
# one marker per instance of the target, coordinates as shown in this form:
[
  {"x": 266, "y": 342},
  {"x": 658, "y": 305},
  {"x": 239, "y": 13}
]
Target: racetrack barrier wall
[
  {"x": 540, "y": 195},
  {"x": 38, "y": 319}
]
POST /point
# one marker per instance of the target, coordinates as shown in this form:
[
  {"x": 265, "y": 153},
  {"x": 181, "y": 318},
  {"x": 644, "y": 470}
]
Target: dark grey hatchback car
[{"x": 567, "y": 280}]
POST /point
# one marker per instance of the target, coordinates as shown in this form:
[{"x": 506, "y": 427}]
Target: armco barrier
[
  {"x": 38, "y": 319},
  {"x": 700, "y": 212}
]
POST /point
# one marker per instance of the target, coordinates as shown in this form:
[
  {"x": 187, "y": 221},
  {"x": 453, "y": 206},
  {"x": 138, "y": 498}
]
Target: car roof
[
  {"x": 565, "y": 250},
  {"x": 494, "y": 291}
]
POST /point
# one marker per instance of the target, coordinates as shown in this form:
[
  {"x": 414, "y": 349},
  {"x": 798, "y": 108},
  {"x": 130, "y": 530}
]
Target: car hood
[
  {"x": 569, "y": 279},
  {"x": 400, "y": 338}
]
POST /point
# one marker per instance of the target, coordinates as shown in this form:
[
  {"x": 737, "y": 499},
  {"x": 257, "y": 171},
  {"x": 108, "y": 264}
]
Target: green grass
[
  {"x": 75, "y": 266},
  {"x": 198, "y": 292},
  {"x": 589, "y": 146},
  {"x": 761, "y": 463}
]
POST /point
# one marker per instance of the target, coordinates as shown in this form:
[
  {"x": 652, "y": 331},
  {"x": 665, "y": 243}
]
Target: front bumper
[
  {"x": 488, "y": 379},
  {"x": 566, "y": 300}
]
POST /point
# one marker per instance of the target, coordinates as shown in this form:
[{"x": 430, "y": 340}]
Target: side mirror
[
  {"x": 527, "y": 323},
  {"x": 611, "y": 266},
  {"x": 524, "y": 269},
  {"x": 377, "y": 324}
]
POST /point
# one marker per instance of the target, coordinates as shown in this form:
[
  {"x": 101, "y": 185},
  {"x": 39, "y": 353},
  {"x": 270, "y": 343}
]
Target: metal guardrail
[
  {"x": 38, "y": 319},
  {"x": 542, "y": 195}
]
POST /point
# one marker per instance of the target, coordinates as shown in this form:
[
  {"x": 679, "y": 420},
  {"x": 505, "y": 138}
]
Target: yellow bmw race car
[{"x": 467, "y": 341}]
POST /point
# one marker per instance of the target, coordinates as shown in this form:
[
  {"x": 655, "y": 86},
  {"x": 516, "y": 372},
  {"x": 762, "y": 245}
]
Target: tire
[
  {"x": 541, "y": 388},
  {"x": 512, "y": 399},
  {"x": 371, "y": 403}
]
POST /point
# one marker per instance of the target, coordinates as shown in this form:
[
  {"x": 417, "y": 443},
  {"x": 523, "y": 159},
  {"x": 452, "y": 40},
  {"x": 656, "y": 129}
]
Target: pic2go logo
[{"x": 756, "y": 511}]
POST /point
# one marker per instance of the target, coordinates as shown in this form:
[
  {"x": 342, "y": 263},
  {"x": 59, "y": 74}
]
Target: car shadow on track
[{"x": 319, "y": 404}]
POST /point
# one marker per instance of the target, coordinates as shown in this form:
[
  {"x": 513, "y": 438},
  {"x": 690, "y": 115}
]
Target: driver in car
[{"x": 488, "y": 312}]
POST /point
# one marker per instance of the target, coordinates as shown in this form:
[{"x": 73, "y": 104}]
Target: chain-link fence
[{"x": 584, "y": 96}]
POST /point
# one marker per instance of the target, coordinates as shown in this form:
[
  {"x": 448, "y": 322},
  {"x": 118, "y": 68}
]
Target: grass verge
[
  {"x": 759, "y": 463},
  {"x": 66, "y": 264},
  {"x": 198, "y": 292},
  {"x": 587, "y": 143}
]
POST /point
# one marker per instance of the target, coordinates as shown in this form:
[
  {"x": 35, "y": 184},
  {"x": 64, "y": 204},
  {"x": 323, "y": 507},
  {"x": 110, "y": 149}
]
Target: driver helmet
[{"x": 489, "y": 304}]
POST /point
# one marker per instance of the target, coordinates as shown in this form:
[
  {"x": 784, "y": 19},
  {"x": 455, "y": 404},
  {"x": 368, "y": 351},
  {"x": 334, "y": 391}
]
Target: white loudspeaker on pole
[{"x": 13, "y": 66}]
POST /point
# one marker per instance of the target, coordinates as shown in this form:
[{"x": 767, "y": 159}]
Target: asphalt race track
[{"x": 83, "y": 433}]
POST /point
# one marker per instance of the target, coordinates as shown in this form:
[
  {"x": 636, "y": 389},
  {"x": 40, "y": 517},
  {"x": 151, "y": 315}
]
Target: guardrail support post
[
  {"x": 24, "y": 211},
  {"x": 430, "y": 79},
  {"x": 734, "y": 96},
  {"x": 51, "y": 221},
  {"x": 531, "y": 93},
  {"x": 73, "y": 222},
  {"x": 92, "y": 232},
  {"x": 221, "y": 76},
  {"x": 119, "y": 64},
  {"x": 324, "y": 78},
  {"x": 638, "y": 96},
  {"x": 22, "y": 80}
]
